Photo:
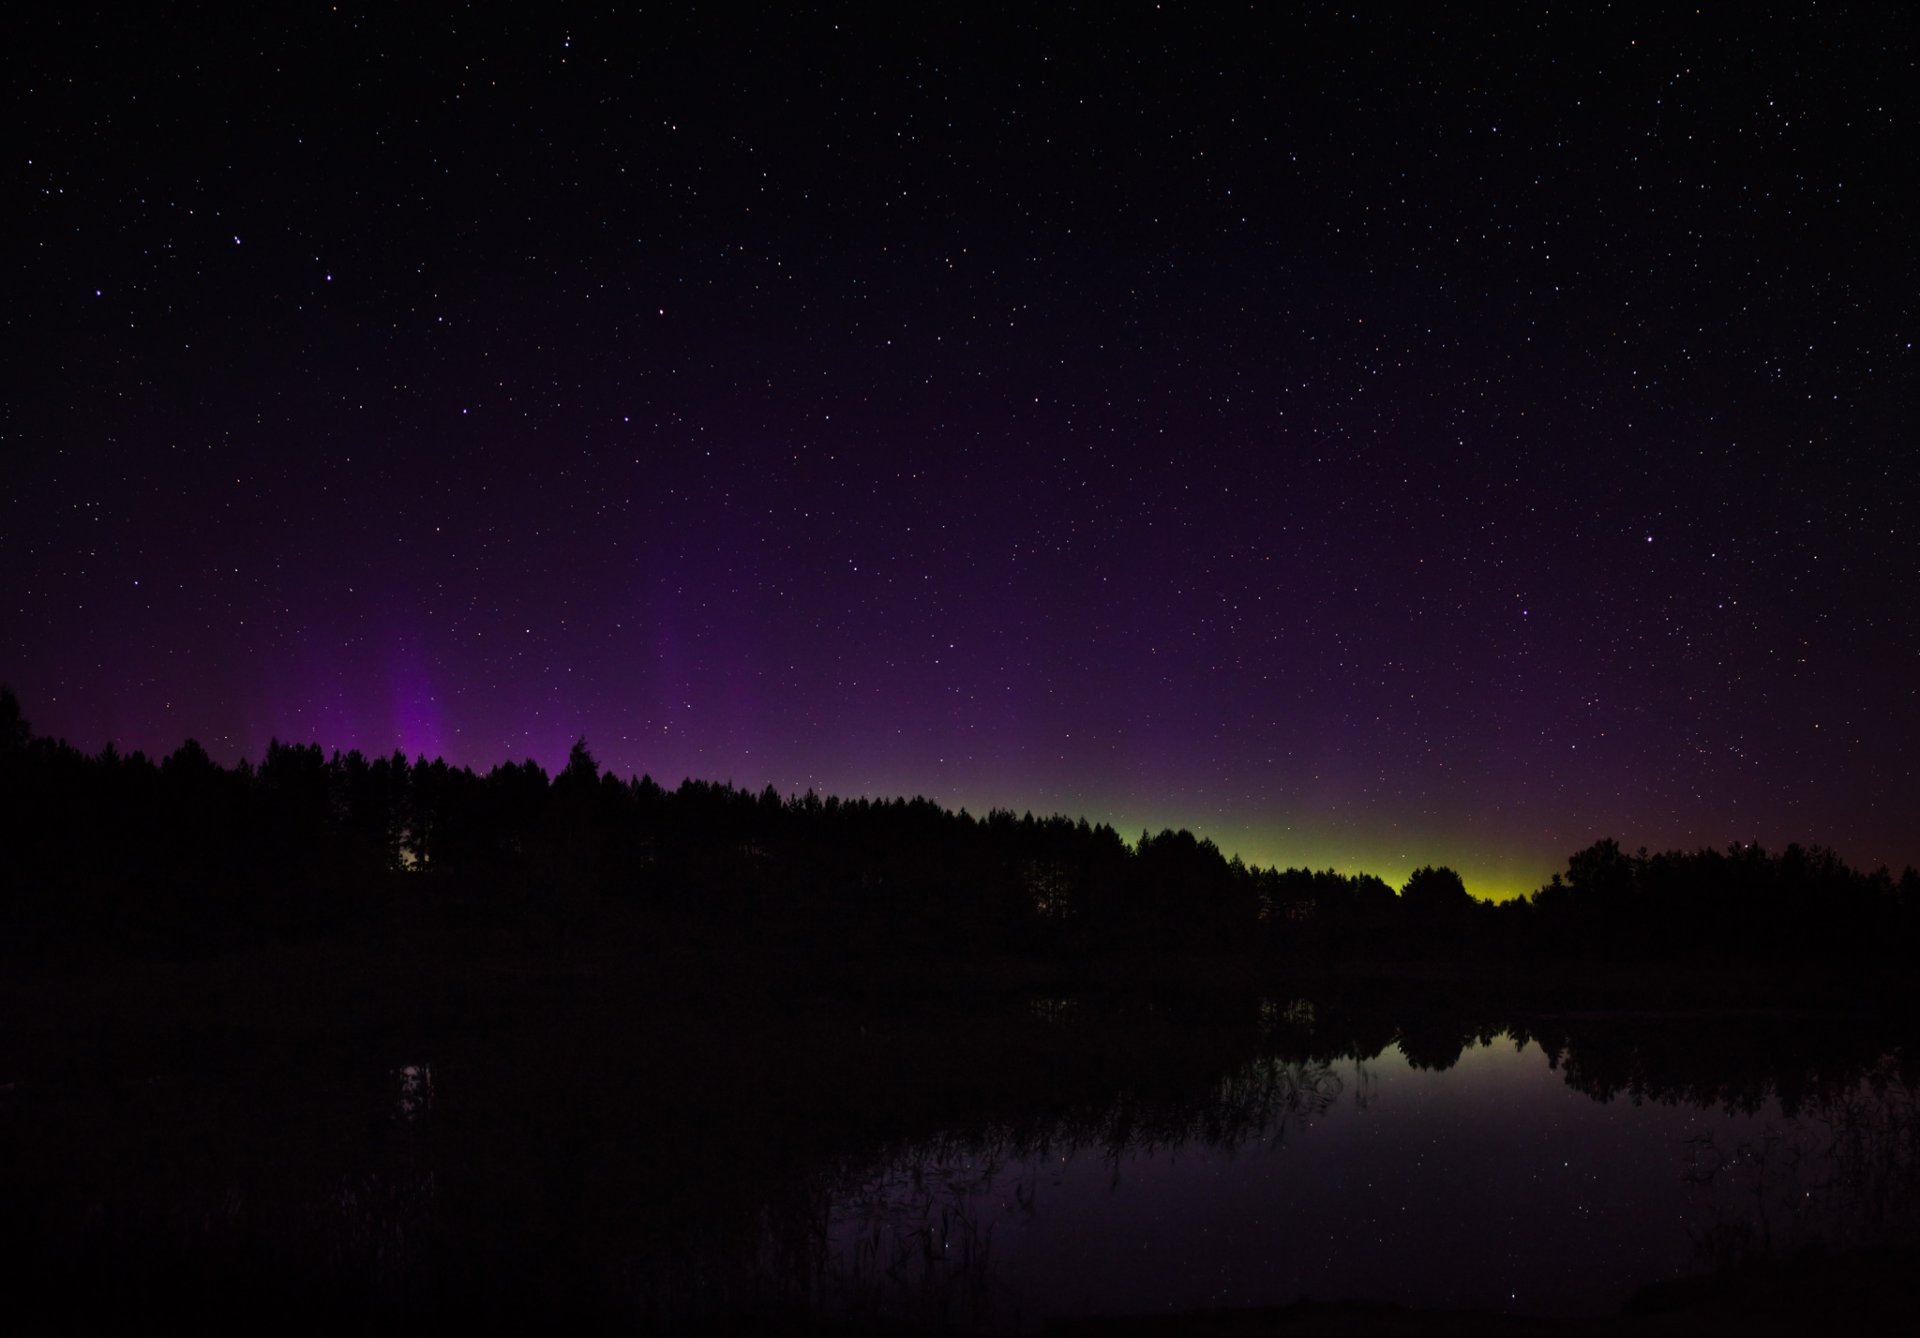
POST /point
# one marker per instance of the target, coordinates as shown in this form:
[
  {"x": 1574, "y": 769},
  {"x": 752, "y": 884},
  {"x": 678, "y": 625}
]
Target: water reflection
[
  {"x": 416, "y": 1091},
  {"x": 975, "y": 1172},
  {"x": 909, "y": 1236},
  {"x": 1488, "y": 1182},
  {"x": 1838, "y": 1174}
]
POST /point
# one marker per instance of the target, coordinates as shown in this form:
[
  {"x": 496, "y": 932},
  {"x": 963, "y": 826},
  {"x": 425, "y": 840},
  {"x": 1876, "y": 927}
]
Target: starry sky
[{"x": 1367, "y": 438}]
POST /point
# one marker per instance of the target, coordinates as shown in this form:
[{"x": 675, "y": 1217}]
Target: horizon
[
  {"x": 1394, "y": 871},
  {"x": 1362, "y": 442}
]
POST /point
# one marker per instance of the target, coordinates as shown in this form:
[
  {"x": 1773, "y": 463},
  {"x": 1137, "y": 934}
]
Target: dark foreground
[
  {"x": 490, "y": 1130},
  {"x": 1810, "y": 1295}
]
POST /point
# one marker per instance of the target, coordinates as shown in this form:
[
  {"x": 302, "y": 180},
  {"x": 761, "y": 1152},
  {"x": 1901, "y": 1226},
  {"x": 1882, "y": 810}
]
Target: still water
[
  {"x": 679, "y": 1167},
  {"x": 1491, "y": 1184}
]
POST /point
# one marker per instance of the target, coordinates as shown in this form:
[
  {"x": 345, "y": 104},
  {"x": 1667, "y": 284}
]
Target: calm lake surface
[
  {"x": 496, "y": 1141},
  {"x": 1489, "y": 1185}
]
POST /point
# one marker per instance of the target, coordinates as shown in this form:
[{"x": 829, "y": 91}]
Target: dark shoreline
[
  {"x": 638, "y": 1059},
  {"x": 1797, "y": 1297}
]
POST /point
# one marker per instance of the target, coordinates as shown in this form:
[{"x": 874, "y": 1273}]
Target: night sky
[{"x": 1365, "y": 438}]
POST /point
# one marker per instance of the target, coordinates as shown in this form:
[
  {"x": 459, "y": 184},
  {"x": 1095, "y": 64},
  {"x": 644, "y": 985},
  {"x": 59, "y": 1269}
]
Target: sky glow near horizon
[{"x": 1365, "y": 447}]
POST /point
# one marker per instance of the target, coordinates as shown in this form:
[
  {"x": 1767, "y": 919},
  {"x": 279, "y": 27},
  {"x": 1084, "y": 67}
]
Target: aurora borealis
[{"x": 1366, "y": 440}]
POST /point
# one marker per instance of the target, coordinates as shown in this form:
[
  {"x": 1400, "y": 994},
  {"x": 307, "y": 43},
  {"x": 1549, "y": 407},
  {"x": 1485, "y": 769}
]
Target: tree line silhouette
[{"x": 182, "y": 849}]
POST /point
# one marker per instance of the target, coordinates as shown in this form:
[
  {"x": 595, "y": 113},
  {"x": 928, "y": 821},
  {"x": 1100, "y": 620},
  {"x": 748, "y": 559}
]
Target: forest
[{"x": 182, "y": 852}]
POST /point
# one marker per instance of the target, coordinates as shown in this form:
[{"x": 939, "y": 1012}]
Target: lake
[
  {"x": 499, "y": 1141},
  {"x": 1490, "y": 1185}
]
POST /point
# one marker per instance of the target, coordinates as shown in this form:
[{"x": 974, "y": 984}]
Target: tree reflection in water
[
  {"x": 680, "y": 1166},
  {"x": 907, "y": 1235},
  {"x": 1842, "y": 1172},
  {"x": 917, "y": 1233}
]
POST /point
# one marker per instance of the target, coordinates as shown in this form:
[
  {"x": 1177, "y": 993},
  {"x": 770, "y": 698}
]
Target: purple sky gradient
[{"x": 1365, "y": 445}]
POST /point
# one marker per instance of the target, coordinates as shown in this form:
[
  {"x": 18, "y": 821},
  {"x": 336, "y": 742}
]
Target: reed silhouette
[{"x": 508, "y": 1136}]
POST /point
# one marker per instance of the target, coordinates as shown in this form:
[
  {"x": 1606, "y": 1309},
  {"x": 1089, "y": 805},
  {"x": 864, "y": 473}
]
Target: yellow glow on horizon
[
  {"x": 1494, "y": 868},
  {"x": 1497, "y": 874}
]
